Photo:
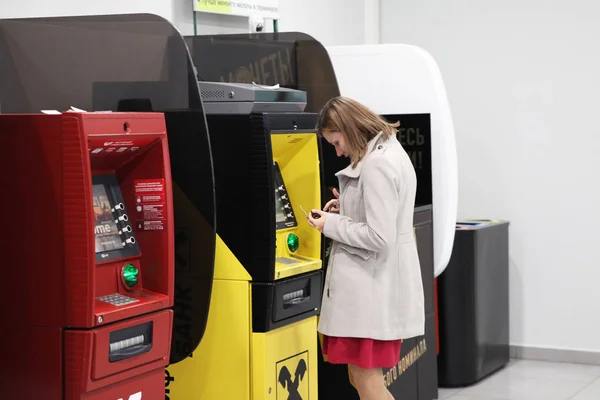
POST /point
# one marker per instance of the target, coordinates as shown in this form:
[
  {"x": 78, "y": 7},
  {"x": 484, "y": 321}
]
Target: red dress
[{"x": 364, "y": 353}]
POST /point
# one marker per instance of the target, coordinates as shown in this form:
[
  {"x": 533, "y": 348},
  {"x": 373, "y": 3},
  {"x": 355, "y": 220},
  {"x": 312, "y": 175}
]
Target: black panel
[
  {"x": 423, "y": 215},
  {"x": 296, "y": 296},
  {"x": 414, "y": 134},
  {"x": 305, "y": 122},
  {"x": 195, "y": 228},
  {"x": 192, "y": 160},
  {"x": 284, "y": 217},
  {"x": 492, "y": 297},
  {"x": 244, "y": 189},
  {"x": 260, "y": 258},
  {"x": 474, "y": 307},
  {"x": 402, "y": 380},
  {"x": 423, "y": 222},
  {"x": 271, "y": 311},
  {"x": 427, "y": 376}
]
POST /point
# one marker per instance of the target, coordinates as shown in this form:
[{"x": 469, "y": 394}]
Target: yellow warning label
[{"x": 292, "y": 378}]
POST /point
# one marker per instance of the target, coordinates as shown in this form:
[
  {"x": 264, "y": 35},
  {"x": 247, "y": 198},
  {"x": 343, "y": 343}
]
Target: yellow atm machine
[{"x": 260, "y": 340}]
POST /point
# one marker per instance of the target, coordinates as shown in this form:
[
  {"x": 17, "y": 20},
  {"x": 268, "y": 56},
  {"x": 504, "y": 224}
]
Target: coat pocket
[
  {"x": 406, "y": 237},
  {"x": 355, "y": 251}
]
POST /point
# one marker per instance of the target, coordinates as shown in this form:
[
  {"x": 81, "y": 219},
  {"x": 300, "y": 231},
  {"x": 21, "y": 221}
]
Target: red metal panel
[
  {"x": 87, "y": 366},
  {"x": 49, "y": 165},
  {"x": 31, "y": 366}
]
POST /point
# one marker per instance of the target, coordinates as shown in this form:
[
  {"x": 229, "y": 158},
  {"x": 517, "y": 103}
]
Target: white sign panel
[{"x": 244, "y": 8}]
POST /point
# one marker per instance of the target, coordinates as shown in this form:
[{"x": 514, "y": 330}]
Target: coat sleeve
[{"x": 380, "y": 196}]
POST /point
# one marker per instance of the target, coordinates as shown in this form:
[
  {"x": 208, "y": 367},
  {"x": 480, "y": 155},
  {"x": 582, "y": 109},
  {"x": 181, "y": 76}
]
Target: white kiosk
[{"x": 403, "y": 79}]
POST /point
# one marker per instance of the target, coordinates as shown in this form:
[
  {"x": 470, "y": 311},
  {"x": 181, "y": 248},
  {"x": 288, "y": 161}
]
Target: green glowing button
[
  {"x": 130, "y": 275},
  {"x": 293, "y": 242}
]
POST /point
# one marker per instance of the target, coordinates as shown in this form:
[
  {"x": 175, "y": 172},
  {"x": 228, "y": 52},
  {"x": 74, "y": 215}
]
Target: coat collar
[{"x": 355, "y": 172}]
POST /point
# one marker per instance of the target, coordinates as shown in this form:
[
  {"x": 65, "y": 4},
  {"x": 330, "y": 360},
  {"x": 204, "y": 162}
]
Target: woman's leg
[
  {"x": 369, "y": 383},
  {"x": 389, "y": 395},
  {"x": 351, "y": 378}
]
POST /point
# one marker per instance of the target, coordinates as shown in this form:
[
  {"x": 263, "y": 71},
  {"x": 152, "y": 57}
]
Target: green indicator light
[
  {"x": 293, "y": 242},
  {"x": 130, "y": 275}
]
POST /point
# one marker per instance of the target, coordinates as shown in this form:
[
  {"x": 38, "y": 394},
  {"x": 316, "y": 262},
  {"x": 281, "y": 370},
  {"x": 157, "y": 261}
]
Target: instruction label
[
  {"x": 103, "y": 148},
  {"x": 150, "y": 203}
]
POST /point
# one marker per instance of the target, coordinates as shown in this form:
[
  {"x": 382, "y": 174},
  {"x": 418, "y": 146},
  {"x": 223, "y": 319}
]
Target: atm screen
[
  {"x": 105, "y": 229},
  {"x": 279, "y": 210},
  {"x": 113, "y": 233},
  {"x": 284, "y": 215}
]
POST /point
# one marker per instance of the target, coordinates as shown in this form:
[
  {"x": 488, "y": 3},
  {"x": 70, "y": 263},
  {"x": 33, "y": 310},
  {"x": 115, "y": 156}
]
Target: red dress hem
[{"x": 362, "y": 352}]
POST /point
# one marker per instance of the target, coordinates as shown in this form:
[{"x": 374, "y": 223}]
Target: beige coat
[{"x": 373, "y": 287}]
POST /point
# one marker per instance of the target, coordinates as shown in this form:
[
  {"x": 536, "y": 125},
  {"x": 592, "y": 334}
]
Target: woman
[{"x": 373, "y": 296}]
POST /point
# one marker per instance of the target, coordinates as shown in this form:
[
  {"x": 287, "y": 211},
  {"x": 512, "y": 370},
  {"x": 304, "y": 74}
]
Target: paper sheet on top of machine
[
  {"x": 274, "y": 87},
  {"x": 73, "y": 109}
]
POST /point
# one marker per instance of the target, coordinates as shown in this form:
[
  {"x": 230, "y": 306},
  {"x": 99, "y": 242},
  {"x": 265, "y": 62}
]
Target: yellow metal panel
[
  {"x": 285, "y": 362},
  {"x": 227, "y": 266},
  {"x": 220, "y": 366},
  {"x": 302, "y": 266},
  {"x": 321, "y": 339},
  {"x": 298, "y": 157}
]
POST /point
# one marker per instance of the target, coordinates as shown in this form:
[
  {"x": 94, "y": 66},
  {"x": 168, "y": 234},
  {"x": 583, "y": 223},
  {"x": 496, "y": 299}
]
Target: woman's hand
[
  {"x": 317, "y": 219},
  {"x": 333, "y": 205}
]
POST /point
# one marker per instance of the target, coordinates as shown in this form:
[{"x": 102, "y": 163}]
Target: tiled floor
[{"x": 534, "y": 380}]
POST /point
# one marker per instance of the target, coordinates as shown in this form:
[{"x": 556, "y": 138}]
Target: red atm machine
[{"x": 87, "y": 256}]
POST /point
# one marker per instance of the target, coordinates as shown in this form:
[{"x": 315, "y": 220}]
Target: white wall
[
  {"x": 523, "y": 81},
  {"x": 44, "y": 8},
  {"x": 206, "y": 23},
  {"x": 333, "y": 22}
]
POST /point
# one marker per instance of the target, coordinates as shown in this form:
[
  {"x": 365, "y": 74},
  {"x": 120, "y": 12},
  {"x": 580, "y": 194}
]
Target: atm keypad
[
  {"x": 117, "y": 299},
  {"x": 286, "y": 260}
]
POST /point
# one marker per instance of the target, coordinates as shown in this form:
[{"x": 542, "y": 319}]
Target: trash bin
[{"x": 473, "y": 304}]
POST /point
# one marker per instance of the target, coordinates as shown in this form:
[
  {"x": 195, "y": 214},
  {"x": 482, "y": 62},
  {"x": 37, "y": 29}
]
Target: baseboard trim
[{"x": 555, "y": 355}]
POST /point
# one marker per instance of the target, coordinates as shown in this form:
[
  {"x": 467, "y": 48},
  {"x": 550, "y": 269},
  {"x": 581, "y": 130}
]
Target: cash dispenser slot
[
  {"x": 130, "y": 342},
  {"x": 121, "y": 347},
  {"x": 296, "y": 296},
  {"x": 280, "y": 303}
]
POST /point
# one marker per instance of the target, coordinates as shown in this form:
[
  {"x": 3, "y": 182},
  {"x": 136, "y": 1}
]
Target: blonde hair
[{"x": 356, "y": 122}]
